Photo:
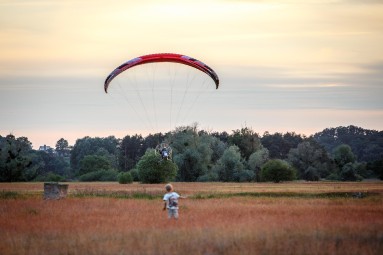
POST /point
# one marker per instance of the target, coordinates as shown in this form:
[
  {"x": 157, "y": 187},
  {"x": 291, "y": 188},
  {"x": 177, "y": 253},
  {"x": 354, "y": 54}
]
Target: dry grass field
[{"x": 217, "y": 218}]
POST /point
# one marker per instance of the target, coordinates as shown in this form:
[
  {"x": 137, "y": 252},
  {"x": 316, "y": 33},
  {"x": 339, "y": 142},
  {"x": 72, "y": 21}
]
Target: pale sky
[{"x": 289, "y": 65}]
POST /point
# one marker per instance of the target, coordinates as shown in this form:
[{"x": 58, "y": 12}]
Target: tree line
[{"x": 343, "y": 153}]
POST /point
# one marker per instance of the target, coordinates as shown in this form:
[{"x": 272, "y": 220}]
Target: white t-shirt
[{"x": 171, "y": 200}]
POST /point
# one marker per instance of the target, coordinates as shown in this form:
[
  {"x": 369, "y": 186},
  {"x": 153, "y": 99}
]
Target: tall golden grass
[
  {"x": 209, "y": 188},
  {"x": 224, "y": 225}
]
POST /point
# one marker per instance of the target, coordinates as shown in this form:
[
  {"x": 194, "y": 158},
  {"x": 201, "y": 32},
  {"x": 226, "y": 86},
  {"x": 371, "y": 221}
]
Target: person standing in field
[{"x": 171, "y": 201}]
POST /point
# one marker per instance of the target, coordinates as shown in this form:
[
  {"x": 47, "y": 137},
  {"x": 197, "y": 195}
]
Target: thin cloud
[{"x": 300, "y": 86}]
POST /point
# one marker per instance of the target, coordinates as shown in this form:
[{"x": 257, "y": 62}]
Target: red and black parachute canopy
[{"x": 162, "y": 57}]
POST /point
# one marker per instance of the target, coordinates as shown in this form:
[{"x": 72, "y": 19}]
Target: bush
[
  {"x": 100, "y": 175},
  {"x": 333, "y": 177},
  {"x": 209, "y": 177},
  {"x": 134, "y": 173},
  {"x": 311, "y": 174},
  {"x": 49, "y": 177},
  {"x": 277, "y": 170},
  {"x": 246, "y": 176},
  {"x": 124, "y": 178},
  {"x": 152, "y": 169}
]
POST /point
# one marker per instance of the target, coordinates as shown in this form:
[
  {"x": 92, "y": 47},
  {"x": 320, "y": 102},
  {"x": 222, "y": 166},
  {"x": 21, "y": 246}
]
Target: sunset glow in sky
[{"x": 288, "y": 65}]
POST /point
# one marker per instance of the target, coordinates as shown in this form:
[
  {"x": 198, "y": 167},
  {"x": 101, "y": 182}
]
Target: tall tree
[
  {"x": 280, "y": 144},
  {"x": 257, "y": 160},
  {"x": 367, "y": 145},
  {"x": 91, "y": 163},
  {"x": 311, "y": 161},
  {"x": 62, "y": 147},
  {"x": 130, "y": 151},
  {"x": 191, "y": 152},
  {"x": 231, "y": 166},
  {"x": 343, "y": 154},
  {"x": 90, "y": 146},
  {"x": 15, "y": 158},
  {"x": 246, "y": 140},
  {"x": 377, "y": 168}
]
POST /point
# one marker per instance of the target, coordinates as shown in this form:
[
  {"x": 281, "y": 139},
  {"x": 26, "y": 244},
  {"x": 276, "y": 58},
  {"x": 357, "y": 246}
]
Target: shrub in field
[
  {"x": 124, "y": 178},
  {"x": 100, "y": 175},
  {"x": 134, "y": 173},
  {"x": 152, "y": 169},
  {"x": 246, "y": 176},
  {"x": 51, "y": 177},
  {"x": 209, "y": 177},
  {"x": 277, "y": 170},
  {"x": 333, "y": 177},
  {"x": 311, "y": 174}
]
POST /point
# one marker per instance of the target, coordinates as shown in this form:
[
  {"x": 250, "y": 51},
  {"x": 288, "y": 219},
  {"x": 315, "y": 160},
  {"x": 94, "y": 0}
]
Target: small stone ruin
[{"x": 54, "y": 190}]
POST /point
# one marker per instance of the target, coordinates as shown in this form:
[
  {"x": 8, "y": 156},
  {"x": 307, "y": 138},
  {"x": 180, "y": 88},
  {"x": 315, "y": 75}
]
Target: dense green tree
[
  {"x": 349, "y": 168},
  {"x": 130, "y": 151},
  {"x": 90, "y": 146},
  {"x": 192, "y": 152},
  {"x": 124, "y": 178},
  {"x": 377, "y": 168},
  {"x": 210, "y": 176},
  {"x": 246, "y": 140},
  {"x": 277, "y": 170},
  {"x": 367, "y": 145},
  {"x": 216, "y": 145},
  {"x": 311, "y": 161},
  {"x": 20, "y": 163},
  {"x": 46, "y": 163},
  {"x": 152, "y": 169},
  {"x": 343, "y": 155},
  {"x": 189, "y": 165},
  {"x": 134, "y": 173},
  {"x": 15, "y": 159},
  {"x": 91, "y": 163},
  {"x": 231, "y": 166},
  {"x": 152, "y": 140},
  {"x": 279, "y": 144},
  {"x": 222, "y": 136},
  {"x": 349, "y": 172},
  {"x": 62, "y": 147},
  {"x": 256, "y": 160}
]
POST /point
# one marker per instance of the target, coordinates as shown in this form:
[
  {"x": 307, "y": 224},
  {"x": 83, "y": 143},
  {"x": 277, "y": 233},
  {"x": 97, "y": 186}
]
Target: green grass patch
[
  {"x": 4, "y": 194},
  {"x": 9, "y": 195}
]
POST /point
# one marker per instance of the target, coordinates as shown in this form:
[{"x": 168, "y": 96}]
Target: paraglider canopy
[
  {"x": 162, "y": 57},
  {"x": 162, "y": 90}
]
